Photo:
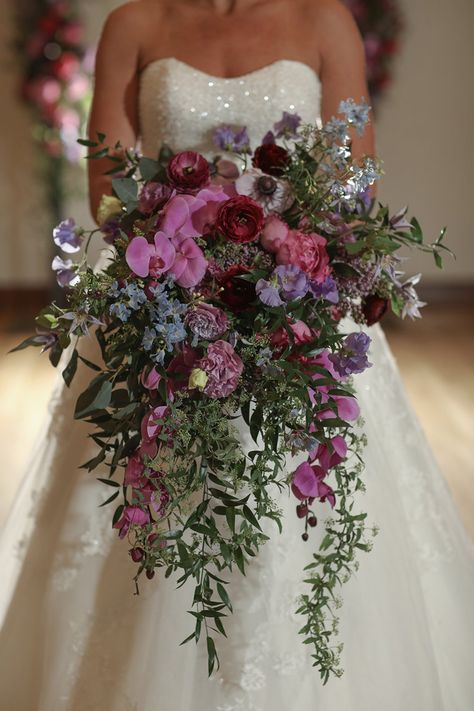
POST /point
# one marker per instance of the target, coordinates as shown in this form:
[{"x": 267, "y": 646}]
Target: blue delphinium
[
  {"x": 120, "y": 311},
  {"x": 356, "y": 114}
]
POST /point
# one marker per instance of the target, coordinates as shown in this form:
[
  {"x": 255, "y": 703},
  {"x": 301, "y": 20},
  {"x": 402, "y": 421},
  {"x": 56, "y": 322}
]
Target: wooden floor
[{"x": 435, "y": 355}]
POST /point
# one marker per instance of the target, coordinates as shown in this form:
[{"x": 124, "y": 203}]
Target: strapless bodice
[{"x": 181, "y": 106}]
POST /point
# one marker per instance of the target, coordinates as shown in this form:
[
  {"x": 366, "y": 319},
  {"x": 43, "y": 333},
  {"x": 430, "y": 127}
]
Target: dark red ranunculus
[
  {"x": 188, "y": 171},
  {"x": 373, "y": 308},
  {"x": 270, "y": 158},
  {"x": 236, "y": 293},
  {"x": 240, "y": 219}
]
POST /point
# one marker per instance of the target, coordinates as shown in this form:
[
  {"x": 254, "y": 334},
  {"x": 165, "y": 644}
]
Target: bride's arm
[
  {"x": 114, "y": 108},
  {"x": 343, "y": 68}
]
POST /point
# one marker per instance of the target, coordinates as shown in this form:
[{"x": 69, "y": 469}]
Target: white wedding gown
[{"x": 75, "y": 638}]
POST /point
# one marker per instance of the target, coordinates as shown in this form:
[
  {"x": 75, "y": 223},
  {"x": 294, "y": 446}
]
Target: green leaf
[
  {"x": 102, "y": 153},
  {"x": 126, "y": 189},
  {"x": 70, "y": 370},
  {"x": 212, "y": 655},
  {"x": 148, "y": 168},
  {"x": 249, "y": 515},
  {"x": 86, "y": 142},
  {"x": 416, "y": 231},
  {"x": 96, "y": 397},
  {"x": 109, "y": 482},
  {"x": 24, "y": 344},
  {"x": 90, "y": 364},
  {"x": 111, "y": 498},
  {"x": 101, "y": 136},
  {"x": 239, "y": 559},
  {"x": 224, "y": 596},
  {"x": 93, "y": 463}
]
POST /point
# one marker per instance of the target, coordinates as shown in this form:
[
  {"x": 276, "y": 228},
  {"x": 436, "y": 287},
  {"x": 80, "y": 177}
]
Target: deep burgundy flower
[
  {"x": 240, "y": 219},
  {"x": 373, "y": 308},
  {"x": 271, "y": 158},
  {"x": 188, "y": 171},
  {"x": 236, "y": 293}
]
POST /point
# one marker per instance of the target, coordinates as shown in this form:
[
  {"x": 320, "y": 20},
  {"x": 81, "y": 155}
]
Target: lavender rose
[
  {"x": 223, "y": 367},
  {"x": 207, "y": 321}
]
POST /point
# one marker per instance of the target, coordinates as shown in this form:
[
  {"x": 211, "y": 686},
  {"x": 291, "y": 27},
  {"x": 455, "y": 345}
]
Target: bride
[{"x": 73, "y": 635}]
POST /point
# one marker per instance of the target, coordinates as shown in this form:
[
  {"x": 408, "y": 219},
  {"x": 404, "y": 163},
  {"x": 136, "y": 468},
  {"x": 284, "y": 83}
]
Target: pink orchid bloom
[
  {"x": 190, "y": 263},
  {"x": 203, "y": 219},
  {"x": 177, "y": 215},
  {"x": 132, "y": 516},
  {"x": 150, "y": 379},
  {"x": 134, "y": 470},
  {"x": 330, "y": 456},
  {"x": 308, "y": 483},
  {"x": 150, "y": 429},
  {"x": 155, "y": 259}
]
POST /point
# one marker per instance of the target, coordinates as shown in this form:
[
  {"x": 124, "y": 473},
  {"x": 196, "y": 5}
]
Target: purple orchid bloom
[
  {"x": 146, "y": 259},
  {"x": 67, "y": 236},
  {"x": 66, "y": 275},
  {"x": 353, "y": 356},
  {"x": 287, "y": 126},
  {"x": 327, "y": 290}
]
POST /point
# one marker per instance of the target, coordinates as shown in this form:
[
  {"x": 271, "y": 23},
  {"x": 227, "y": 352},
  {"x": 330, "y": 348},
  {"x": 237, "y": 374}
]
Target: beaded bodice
[{"x": 181, "y": 106}]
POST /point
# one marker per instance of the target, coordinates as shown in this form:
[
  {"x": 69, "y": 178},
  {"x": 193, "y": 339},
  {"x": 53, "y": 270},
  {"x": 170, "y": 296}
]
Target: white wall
[{"x": 424, "y": 136}]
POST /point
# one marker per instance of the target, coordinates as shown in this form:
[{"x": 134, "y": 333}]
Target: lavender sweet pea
[
  {"x": 353, "y": 356},
  {"x": 286, "y": 283},
  {"x": 287, "y": 126},
  {"x": 66, "y": 274},
  {"x": 227, "y": 139},
  {"x": 68, "y": 236}
]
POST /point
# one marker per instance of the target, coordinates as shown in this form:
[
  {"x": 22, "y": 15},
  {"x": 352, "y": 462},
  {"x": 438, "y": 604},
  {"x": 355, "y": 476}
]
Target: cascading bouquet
[{"x": 223, "y": 297}]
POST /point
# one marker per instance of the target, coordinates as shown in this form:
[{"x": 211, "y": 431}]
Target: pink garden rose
[
  {"x": 301, "y": 332},
  {"x": 308, "y": 483},
  {"x": 308, "y": 252},
  {"x": 223, "y": 367},
  {"x": 207, "y": 321},
  {"x": 274, "y": 234}
]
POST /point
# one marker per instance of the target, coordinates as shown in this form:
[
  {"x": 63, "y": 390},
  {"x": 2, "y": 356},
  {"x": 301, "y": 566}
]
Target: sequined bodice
[{"x": 181, "y": 106}]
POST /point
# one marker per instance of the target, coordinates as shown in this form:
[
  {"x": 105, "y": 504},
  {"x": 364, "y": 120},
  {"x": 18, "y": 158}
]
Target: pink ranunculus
[
  {"x": 134, "y": 470},
  {"x": 132, "y": 516},
  {"x": 176, "y": 215},
  {"x": 308, "y": 483},
  {"x": 155, "y": 259},
  {"x": 190, "y": 263},
  {"x": 331, "y": 456},
  {"x": 223, "y": 367},
  {"x": 274, "y": 234},
  {"x": 301, "y": 332},
  {"x": 151, "y": 428},
  {"x": 308, "y": 252}
]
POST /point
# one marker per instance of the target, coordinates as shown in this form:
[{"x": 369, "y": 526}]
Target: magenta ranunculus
[
  {"x": 301, "y": 332},
  {"x": 188, "y": 171},
  {"x": 190, "y": 263},
  {"x": 274, "y": 234},
  {"x": 155, "y": 259},
  {"x": 223, "y": 367},
  {"x": 308, "y": 483},
  {"x": 308, "y": 252},
  {"x": 132, "y": 516},
  {"x": 207, "y": 321}
]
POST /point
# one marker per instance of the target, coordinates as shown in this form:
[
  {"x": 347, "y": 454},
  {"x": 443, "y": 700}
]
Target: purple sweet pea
[
  {"x": 292, "y": 280},
  {"x": 353, "y": 356},
  {"x": 65, "y": 274},
  {"x": 269, "y": 138},
  {"x": 308, "y": 482},
  {"x": 228, "y": 139},
  {"x": 287, "y": 126},
  {"x": 268, "y": 292},
  {"x": 146, "y": 259},
  {"x": 67, "y": 236},
  {"x": 327, "y": 290}
]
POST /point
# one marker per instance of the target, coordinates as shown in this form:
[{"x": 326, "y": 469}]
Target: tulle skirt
[{"x": 74, "y": 637}]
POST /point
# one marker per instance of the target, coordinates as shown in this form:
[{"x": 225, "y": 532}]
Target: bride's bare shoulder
[
  {"x": 134, "y": 15},
  {"x": 332, "y": 23}
]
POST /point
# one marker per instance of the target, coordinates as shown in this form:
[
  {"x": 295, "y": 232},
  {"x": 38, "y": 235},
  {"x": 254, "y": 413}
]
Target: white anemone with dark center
[{"x": 273, "y": 194}]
